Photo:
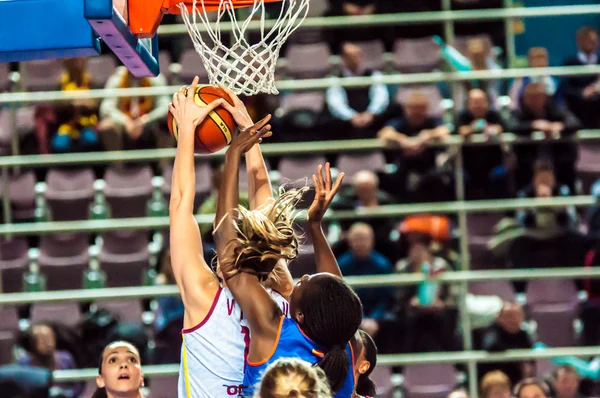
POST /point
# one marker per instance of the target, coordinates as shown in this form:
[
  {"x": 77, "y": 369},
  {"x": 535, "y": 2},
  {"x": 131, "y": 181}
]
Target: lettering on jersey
[
  {"x": 285, "y": 307},
  {"x": 230, "y": 305},
  {"x": 235, "y": 391}
]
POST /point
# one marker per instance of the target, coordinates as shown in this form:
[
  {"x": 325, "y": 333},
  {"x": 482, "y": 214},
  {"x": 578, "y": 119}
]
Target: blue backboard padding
[{"x": 42, "y": 29}]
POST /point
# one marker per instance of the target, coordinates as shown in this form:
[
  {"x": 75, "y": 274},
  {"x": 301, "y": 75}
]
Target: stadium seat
[
  {"x": 191, "y": 65},
  {"x": 5, "y": 132},
  {"x": 479, "y": 255},
  {"x": 308, "y": 61},
  {"x": 502, "y": 289},
  {"x": 63, "y": 259},
  {"x": 100, "y": 69},
  {"x": 9, "y": 318},
  {"x": 434, "y": 380},
  {"x": 352, "y": 163},
  {"x": 551, "y": 291},
  {"x": 482, "y": 224},
  {"x": 554, "y": 323},
  {"x": 7, "y": 345},
  {"x": 203, "y": 182},
  {"x": 296, "y": 171},
  {"x": 310, "y": 100},
  {"x": 68, "y": 314},
  {"x": 416, "y": 55},
  {"x": 42, "y": 75},
  {"x": 430, "y": 91},
  {"x": 373, "y": 54},
  {"x": 164, "y": 61},
  {"x": 13, "y": 263},
  {"x": 163, "y": 387},
  {"x": 69, "y": 193},
  {"x": 304, "y": 263},
  {"x": 4, "y": 72},
  {"x": 128, "y": 190},
  {"x": 25, "y": 119},
  {"x": 382, "y": 377},
  {"x": 124, "y": 257},
  {"x": 588, "y": 164},
  {"x": 129, "y": 311},
  {"x": 22, "y": 195}
]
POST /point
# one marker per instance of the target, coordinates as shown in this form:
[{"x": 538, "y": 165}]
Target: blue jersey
[{"x": 293, "y": 343}]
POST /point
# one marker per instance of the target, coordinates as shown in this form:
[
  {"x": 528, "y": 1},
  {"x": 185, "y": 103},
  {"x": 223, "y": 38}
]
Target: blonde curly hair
[
  {"x": 293, "y": 378},
  {"x": 265, "y": 237}
]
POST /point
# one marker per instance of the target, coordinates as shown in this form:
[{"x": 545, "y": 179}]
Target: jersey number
[{"x": 246, "y": 333}]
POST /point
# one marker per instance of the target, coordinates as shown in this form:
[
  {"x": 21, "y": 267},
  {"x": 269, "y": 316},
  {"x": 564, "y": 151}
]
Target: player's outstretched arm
[
  {"x": 257, "y": 305},
  {"x": 197, "y": 283},
  {"x": 325, "y": 192},
  {"x": 260, "y": 190}
]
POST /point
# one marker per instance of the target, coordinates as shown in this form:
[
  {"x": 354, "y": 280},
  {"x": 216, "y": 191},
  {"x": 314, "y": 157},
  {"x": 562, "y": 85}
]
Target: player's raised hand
[
  {"x": 186, "y": 111},
  {"x": 251, "y": 136},
  {"x": 238, "y": 109},
  {"x": 324, "y": 192}
]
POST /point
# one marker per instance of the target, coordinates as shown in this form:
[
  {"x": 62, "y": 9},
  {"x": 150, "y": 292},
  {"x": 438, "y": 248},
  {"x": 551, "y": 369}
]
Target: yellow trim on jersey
[
  {"x": 188, "y": 391},
  {"x": 175, "y": 129},
  {"x": 215, "y": 118}
]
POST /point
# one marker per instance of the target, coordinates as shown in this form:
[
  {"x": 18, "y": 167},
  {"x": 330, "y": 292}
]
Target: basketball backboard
[{"x": 45, "y": 29}]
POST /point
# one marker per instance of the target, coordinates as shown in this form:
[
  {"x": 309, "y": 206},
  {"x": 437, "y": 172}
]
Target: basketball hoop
[{"x": 243, "y": 67}]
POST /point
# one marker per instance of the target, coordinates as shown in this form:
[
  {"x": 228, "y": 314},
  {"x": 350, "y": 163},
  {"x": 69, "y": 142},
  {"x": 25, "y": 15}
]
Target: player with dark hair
[
  {"x": 119, "y": 372},
  {"x": 365, "y": 360},
  {"x": 325, "y": 312}
]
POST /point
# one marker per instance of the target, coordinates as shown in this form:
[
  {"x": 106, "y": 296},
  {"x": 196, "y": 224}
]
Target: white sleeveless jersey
[{"x": 213, "y": 353}]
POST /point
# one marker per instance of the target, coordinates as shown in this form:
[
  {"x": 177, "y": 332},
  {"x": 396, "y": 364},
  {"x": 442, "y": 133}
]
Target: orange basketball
[{"x": 217, "y": 130}]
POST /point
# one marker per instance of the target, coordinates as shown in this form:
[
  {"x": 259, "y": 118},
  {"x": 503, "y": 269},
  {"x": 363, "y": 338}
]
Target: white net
[{"x": 246, "y": 64}]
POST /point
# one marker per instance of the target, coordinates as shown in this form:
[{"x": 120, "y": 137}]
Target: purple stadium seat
[
  {"x": 128, "y": 190},
  {"x": 304, "y": 263},
  {"x": 129, "y": 311},
  {"x": 9, "y": 318},
  {"x": 4, "y": 72},
  {"x": 63, "y": 259},
  {"x": 100, "y": 69},
  {"x": 479, "y": 255},
  {"x": 502, "y": 289},
  {"x": 373, "y": 53},
  {"x": 25, "y": 119},
  {"x": 163, "y": 387},
  {"x": 69, "y": 193},
  {"x": 382, "y": 377},
  {"x": 124, "y": 257},
  {"x": 311, "y": 100},
  {"x": 306, "y": 61},
  {"x": 552, "y": 291},
  {"x": 22, "y": 195},
  {"x": 352, "y": 163},
  {"x": 554, "y": 323},
  {"x": 42, "y": 75},
  {"x": 203, "y": 182},
  {"x": 7, "y": 344},
  {"x": 430, "y": 91},
  {"x": 416, "y": 55},
  {"x": 13, "y": 263},
  {"x": 482, "y": 224},
  {"x": 67, "y": 314},
  {"x": 191, "y": 65},
  {"x": 296, "y": 172},
  {"x": 429, "y": 380},
  {"x": 5, "y": 132},
  {"x": 588, "y": 164},
  {"x": 164, "y": 61}
]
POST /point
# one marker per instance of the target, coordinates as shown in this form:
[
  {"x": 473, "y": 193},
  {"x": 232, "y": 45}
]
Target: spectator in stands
[
  {"x": 77, "y": 119},
  {"x": 424, "y": 306},
  {"x": 507, "y": 334},
  {"x": 544, "y": 185},
  {"x": 362, "y": 259},
  {"x": 42, "y": 353},
  {"x": 417, "y": 162},
  {"x": 479, "y": 54},
  {"x": 360, "y": 109},
  {"x": 565, "y": 382},
  {"x": 537, "y": 57},
  {"x": 532, "y": 388},
  {"x": 365, "y": 192},
  {"x": 582, "y": 93},
  {"x": 133, "y": 122},
  {"x": 539, "y": 113},
  {"x": 483, "y": 164},
  {"x": 495, "y": 385}
]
